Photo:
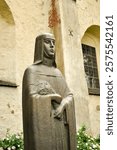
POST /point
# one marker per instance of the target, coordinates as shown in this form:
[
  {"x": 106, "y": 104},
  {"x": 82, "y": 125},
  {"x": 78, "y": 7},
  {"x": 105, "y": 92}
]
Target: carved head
[
  {"x": 49, "y": 46},
  {"x": 44, "y": 47}
]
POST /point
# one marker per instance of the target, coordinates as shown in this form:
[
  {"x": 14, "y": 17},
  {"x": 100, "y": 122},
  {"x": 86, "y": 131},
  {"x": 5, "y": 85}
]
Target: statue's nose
[{"x": 51, "y": 44}]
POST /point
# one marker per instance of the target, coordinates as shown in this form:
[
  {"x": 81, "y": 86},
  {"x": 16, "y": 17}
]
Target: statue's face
[{"x": 49, "y": 46}]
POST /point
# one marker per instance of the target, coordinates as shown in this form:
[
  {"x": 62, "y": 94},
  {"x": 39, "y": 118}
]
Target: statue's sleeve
[
  {"x": 70, "y": 113},
  {"x": 36, "y": 85},
  {"x": 29, "y": 82},
  {"x": 36, "y": 115}
]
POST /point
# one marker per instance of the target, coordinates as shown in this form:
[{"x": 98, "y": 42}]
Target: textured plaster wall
[
  {"x": 19, "y": 26},
  {"x": 10, "y": 116},
  {"x": 29, "y": 18},
  {"x": 92, "y": 38},
  {"x": 7, "y": 45},
  {"x": 73, "y": 59},
  {"x": 76, "y": 19}
]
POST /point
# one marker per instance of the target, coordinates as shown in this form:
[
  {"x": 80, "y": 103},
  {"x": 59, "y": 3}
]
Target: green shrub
[
  {"x": 86, "y": 142},
  {"x": 12, "y": 142}
]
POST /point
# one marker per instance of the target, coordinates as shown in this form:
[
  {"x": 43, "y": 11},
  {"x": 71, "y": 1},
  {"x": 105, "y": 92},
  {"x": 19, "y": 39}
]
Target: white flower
[
  {"x": 1, "y": 148},
  {"x": 94, "y": 146},
  {"x": 18, "y": 146},
  {"x": 78, "y": 141},
  {"x": 7, "y": 139},
  {"x": 17, "y": 137},
  {"x": 13, "y": 147},
  {"x": 92, "y": 139},
  {"x": 89, "y": 140},
  {"x": 8, "y": 148}
]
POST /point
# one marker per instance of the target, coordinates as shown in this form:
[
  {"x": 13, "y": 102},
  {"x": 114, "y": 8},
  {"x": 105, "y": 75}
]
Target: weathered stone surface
[{"x": 23, "y": 21}]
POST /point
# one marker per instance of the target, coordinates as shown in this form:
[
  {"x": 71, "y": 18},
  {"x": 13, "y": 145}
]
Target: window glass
[{"x": 91, "y": 71}]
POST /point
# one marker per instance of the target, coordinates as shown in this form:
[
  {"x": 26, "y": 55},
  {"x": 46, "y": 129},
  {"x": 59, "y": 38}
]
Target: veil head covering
[{"x": 39, "y": 48}]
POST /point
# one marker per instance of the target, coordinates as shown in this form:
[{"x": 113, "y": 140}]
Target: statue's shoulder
[
  {"x": 58, "y": 72},
  {"x": 30, "y": 69}
]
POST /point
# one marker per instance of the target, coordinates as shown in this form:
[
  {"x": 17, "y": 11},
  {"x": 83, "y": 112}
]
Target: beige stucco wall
[
  {"x": 7, "y": 44},
  {"x": 27, "y": 20},
  {"x": 92, "y": 38},
  {"x": 76, "y": 19},
  {"x": 30, "y": 19}
]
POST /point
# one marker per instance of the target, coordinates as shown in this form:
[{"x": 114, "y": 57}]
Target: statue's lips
[{"x": 51, "y": 50}]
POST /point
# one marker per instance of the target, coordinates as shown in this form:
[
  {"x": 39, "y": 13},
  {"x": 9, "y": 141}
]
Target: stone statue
[{"x": 48, "y": 105}]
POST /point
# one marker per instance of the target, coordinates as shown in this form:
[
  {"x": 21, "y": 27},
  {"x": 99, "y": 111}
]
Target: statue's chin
[{"x": 51, "y": 56}]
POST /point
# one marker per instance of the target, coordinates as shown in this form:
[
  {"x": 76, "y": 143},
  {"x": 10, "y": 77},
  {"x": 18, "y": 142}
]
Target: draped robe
[{"x": 41, "y": 130}]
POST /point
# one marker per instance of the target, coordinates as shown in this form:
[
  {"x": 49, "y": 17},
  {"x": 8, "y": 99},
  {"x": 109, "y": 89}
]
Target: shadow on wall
[
  {"x": 5, "y": 12},
  {"x": 7, "y": 46}
]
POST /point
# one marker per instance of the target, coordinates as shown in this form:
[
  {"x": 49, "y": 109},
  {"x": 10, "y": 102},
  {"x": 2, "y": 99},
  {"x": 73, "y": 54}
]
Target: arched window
[
  {"x": 90, "y": 50},
  {"x": 7, "y": 46}
]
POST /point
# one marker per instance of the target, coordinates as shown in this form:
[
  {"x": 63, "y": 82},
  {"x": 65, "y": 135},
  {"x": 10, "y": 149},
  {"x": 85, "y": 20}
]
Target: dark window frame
[{"x": 91, "y": 69}]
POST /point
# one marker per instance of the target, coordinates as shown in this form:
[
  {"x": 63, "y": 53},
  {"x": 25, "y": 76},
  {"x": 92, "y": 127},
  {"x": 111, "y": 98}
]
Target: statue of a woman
[{"x": 48, "y": 105}]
